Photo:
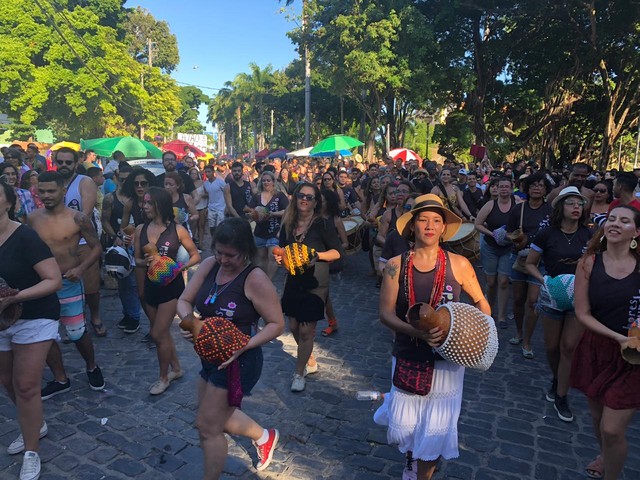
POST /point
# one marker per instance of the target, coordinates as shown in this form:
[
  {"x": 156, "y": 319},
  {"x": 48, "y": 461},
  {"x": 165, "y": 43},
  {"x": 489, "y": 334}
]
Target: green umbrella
[
  {"x": 131, "y": 147},
  {"x": 336, "y": 143}
]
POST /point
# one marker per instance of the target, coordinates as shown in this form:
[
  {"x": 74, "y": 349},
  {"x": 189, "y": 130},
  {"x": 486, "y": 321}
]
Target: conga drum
[
  {"x": 353, "y": 227},
  {"x": 466, "y": 242}
]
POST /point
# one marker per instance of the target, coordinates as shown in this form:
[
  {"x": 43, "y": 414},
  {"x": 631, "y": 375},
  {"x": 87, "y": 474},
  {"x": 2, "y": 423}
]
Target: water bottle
[{"x": 368, "y": 395}]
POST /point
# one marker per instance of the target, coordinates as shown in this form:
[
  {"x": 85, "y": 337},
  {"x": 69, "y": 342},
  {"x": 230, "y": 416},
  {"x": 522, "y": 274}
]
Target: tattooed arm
[
  {"x": 88, "y": 232},
  {"x": 388, "y": 297}
]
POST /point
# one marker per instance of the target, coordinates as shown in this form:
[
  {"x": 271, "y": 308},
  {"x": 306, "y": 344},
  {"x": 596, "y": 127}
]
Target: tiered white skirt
[{"x": 426, "y": 425}]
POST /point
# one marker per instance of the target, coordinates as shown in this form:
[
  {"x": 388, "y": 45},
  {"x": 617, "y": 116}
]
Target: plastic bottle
[{"x": 368, "y": 395}]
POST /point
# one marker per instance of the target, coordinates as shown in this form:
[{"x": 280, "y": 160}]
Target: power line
[
  {"x": 73, "y": 50},
  {"x": 199, "y": 86}
]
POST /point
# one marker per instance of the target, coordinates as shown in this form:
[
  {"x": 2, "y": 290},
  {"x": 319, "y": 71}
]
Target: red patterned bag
[
  {"x": 218, "y": 339},
  {"x": 413, "y": 376}
]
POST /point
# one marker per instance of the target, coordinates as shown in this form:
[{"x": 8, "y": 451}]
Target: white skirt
[{"x": 426, "y": 425}]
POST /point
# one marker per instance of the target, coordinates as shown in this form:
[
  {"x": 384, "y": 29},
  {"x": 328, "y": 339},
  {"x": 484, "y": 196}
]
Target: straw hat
[
  {"x": 430, "y": 202},
  {"x": 568, "y": 192}
]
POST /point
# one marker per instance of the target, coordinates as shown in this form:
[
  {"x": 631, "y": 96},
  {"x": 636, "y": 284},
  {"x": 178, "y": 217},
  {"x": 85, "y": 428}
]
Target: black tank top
[
  {"x": 614, "y": 303},
  {"x": 392, "y": 222},
  {"x": 405, "y": 346},
  {"x": 137, "y": 213},
  {"x": 168, "y": 242},
  {"x": 116, "y": 213},
  {"x": 231, "y": 303},
  {"x": 496, "y": 219},
  {"x": 240, "y": 196},
  {"x": 181, "y": 204}
]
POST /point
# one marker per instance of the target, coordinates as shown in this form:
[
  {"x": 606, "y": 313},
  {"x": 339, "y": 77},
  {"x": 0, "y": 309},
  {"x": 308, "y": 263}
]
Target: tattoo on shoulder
[
  {"x": 87, "y": 229},
  {"x": 391, "y": 269}
]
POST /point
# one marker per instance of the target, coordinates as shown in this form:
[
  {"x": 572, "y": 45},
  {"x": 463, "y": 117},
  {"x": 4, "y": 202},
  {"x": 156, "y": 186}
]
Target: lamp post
[{"x": 178, "y": 117}]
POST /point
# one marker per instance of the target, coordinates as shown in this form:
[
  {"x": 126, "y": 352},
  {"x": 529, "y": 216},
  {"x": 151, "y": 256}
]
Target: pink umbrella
[{"x": 404, "y": 154}]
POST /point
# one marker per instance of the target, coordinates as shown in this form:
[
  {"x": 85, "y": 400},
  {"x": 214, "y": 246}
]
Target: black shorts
[
  {"x": 250, "y": 371},
  {"x": 155, "y": 294}
]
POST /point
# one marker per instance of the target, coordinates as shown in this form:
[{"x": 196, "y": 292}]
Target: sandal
[
  {"x": 515, "y": 341},
  {"x": 99, "y": 329},
  {"x": 595, "y": 469},
  {"x": 333, "y": 327},
  {"x": 528, "y": 354}
]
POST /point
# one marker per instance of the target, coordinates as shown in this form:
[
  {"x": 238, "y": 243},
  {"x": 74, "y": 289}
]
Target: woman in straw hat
[
  {"x": 425, "y": 424},
  {"x": 606, "y": 289}
]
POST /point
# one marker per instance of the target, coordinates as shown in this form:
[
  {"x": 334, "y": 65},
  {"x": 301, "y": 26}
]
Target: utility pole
[
  {"x": 307, "y": 79},
  {"x": 150, "y": 65}
]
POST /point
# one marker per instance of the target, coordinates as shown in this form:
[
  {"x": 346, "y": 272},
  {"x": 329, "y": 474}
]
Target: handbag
[
  {"x": 413, "y": 376},
  {"x": 521, "y": 260}
]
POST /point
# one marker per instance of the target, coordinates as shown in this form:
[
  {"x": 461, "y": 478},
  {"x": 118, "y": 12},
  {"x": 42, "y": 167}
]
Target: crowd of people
[{"x": 424, "y": 227}]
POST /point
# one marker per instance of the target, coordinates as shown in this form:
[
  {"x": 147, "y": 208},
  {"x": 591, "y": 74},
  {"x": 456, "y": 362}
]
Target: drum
[
  {"x": 466, "y": 242},
  {"x": 353, "y": 227}
]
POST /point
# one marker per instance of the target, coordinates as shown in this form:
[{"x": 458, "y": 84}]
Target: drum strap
[{"x": 522, "y": 215}]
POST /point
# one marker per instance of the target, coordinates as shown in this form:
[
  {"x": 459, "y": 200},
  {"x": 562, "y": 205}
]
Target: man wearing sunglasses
[{"x": 82, "y": 195}]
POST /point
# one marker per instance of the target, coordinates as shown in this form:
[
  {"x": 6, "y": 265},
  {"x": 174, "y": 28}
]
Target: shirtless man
[
  {"x": 81, "y": 193},
  {"x": 61, "y": 227}
]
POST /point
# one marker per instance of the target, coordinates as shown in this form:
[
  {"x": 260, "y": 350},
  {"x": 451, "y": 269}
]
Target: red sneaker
[{"x": 265, "y": 451}]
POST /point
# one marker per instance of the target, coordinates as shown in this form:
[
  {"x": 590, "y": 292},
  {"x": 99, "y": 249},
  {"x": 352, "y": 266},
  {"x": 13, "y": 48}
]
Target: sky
[{"x": 217, "y": 39}]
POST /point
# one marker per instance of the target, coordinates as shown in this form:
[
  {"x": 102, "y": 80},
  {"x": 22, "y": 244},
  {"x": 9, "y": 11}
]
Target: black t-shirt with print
[
  {"x": 269, "y": 227},
  {"x": 561, "y": 251},
  {"x": 535, "y": 219}
]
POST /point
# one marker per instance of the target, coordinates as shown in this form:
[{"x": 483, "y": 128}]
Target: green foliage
[
  {"x": 141, "y": 27},
  {"x": 64, "y": 67}
]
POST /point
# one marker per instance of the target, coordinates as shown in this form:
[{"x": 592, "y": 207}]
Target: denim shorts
[
  {"x": 250, "y": 371},
  {"x": 266, "y": 242},
  {"x": 495, "y": 260},
  {"x": 25, "y": 332},
  {"x": 544, "y": 307},
  {"x": 517, "y": 276}
]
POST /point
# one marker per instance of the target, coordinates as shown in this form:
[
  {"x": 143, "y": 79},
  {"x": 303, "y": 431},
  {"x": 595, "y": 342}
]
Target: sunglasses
[
  {"x": 307, "y": 197},
  {"x": 328, "y": 179},
  {"x": 600, "y": 190},
  {"x": 143, "y": 183},
  {"x": 65, "y": 162}
]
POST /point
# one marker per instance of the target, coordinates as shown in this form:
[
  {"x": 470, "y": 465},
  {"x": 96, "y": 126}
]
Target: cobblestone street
[{"x": 507, "y": 429}]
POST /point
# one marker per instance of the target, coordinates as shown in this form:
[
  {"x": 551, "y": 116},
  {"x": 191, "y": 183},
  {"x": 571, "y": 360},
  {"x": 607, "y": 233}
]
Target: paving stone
[{"x": 128, "y": 467}]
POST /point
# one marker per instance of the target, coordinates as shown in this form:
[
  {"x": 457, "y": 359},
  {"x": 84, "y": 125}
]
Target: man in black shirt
[
  {"x": 472, "y": 195},
  {"x": 170, "y": 162},
  {"x": 237, "y": 192}
]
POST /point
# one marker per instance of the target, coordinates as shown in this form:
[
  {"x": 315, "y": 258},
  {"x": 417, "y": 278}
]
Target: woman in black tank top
[
  {"x": 229, "y": 285},
  {"x": 496, "y": 256},
  {"x": 160, "y": 301},
  {"x": 426, "y": 274},
  {"x": 606, "y": 290},
  {"x": 184, "y": 208}
]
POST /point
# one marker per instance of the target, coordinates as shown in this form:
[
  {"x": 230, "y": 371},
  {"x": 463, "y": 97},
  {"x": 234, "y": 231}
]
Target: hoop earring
[{"x": 633, "y": 245}]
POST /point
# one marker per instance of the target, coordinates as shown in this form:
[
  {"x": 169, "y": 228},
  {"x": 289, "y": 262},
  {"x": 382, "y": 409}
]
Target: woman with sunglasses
[
  {"x": 560, "y": 246},
  {"x": 24, "y": 200},
  {"x": 601, "y": 200},
  {"x": 268, "y": 206},
  {"x": 160, "y": 229},
  {"x": 184, "y": 207},
  {"x": 329, "y": 182},
  {"x": 304, "y": 296}
]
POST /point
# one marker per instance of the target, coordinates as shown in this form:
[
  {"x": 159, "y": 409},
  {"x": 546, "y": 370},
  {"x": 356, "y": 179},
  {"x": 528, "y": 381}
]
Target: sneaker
[
  {"x": 298, "y": 383},
  {"x": 410, "y": 471},
  {"x": 54, "y": 388},
  {"x": 551, "y": 394},
  {"x": 147, "y": 338},
  {"x": 96, "y": 380},
  {"x": 131, "y": 325},
  {"x": 265, "y": 451},
  {"x": 121, "y": 324},
  {"x": 17, "y": 445},
  {"x": 30, "y": 466},
  {"x": 562, "y": 408},
  {"x": 310, "y": 369},
  {"x": 159, "y": 387}
]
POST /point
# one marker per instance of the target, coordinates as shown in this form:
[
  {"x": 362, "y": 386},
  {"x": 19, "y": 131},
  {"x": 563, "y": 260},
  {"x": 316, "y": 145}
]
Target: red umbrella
[
  {"x": 263, "y": 153},
  {"x": 404, "y": 154},
  {"x": 177, "y": 147}
]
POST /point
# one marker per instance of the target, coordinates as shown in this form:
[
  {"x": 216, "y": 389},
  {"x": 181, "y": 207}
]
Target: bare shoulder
[
  {"x": 586, "y": 263},
  {"x": 392, "y": 268},
  {"x": 460, "y": 265}
]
